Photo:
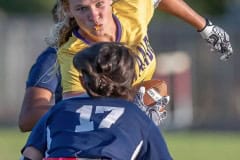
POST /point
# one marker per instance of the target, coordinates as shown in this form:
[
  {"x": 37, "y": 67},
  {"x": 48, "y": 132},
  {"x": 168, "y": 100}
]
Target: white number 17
[{"x": 85, "y": 113}]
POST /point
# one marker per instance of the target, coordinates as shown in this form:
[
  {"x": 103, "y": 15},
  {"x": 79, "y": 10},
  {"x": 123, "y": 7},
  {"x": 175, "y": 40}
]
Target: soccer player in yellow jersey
[
  {"x": 125, "y": 21},
  {"x": 85, "y": 22}
]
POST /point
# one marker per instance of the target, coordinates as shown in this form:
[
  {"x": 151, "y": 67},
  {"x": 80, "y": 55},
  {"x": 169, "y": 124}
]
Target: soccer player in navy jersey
[
  {"x": 106, "y": 125},
  {"x": 43, "y": 87}
]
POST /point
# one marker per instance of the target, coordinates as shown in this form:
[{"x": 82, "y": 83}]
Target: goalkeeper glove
[{"x": 218, "y": 39}]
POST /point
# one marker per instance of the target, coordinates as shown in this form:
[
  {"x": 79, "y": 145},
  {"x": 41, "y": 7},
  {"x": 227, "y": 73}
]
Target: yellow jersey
[{"x": 132, "y": 18}]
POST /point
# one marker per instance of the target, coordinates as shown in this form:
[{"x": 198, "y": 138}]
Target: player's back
[{"x": 93, "y": 128}]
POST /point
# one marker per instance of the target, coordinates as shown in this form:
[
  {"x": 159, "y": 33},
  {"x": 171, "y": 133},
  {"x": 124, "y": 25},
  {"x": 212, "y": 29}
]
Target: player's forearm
[
  {"x": 32, "y": 153},
  {"x": 36, "y": 103},
  {"x": 183, "y": 11},
  {"x": 30, "y": 116}
]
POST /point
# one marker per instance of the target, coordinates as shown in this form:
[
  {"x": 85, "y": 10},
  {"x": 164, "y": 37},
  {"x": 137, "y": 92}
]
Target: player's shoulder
[
  {"x": 131, "y": 110},
  {"x": 73, "y": 45},
  {"x": 90, "y": 101},
  {"x": 116, "y": 102},
  {"x": 121, "y": 7},
  {"x": 73, "y": 103},
  {"x": 44, "y": 70},
  {"x": 134, "y": 3},
  {"x": 48, "y": 52},
  {"x": 45, "y": 60},
  {"x": 46, "y": 55},
  {"x": 133, "y": 26},
  {"x": 98, "y": 101}
]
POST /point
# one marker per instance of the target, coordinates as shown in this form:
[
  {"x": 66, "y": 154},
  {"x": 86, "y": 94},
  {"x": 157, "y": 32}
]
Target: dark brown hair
[{"x": 107, "y": 69}]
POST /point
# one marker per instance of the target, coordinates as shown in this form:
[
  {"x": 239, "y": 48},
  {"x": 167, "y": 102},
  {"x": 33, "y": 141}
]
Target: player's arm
[
  {"x": 31, "y": 153},
  {"x": 36, "y": 144},
  {"x": 36, "y": 103},
  {"x": 42, "y": 83},
  {"x": 183, "y": 11},
  {"x": 157, "y": 147},
  {"x": 215, "y": 36}
]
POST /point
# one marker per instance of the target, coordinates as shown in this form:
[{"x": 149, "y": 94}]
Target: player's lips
[{"x": 97, "y": 27}]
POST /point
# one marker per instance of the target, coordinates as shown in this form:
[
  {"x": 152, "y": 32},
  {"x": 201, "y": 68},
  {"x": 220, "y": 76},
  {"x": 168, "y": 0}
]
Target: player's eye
[
  {"x": 99, "y": 4},
  {"x": 82, "y": 9}
]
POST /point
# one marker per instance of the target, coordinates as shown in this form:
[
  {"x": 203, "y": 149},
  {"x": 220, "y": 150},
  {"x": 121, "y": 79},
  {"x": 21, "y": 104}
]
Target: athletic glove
[
  {"x": 157, "y": 113},
  {"x": 218, "y": 40}
]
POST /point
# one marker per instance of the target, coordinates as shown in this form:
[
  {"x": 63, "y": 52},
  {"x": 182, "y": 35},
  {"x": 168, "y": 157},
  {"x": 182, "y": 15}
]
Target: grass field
[
  {"x": 204, "y": 145},
  {"x": 182, "y": 145}
]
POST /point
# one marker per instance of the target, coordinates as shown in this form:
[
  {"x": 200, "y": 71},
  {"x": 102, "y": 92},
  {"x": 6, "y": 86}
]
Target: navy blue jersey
[
  {"x": 98, "y": 128},
  {"x": 45, "y": 73}
]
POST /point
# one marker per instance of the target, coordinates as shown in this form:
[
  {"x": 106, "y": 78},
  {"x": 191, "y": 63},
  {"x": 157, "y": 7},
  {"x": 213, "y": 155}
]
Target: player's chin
[
  {"x": 103, "y": 38},
  {"x": 98, "y": 33}
]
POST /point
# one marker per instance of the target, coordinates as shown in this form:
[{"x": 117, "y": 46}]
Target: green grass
[
  {"x": 204, "y": 145},
  {"x": 11, "y": 142},
  {"x": 182, "y": 145}
]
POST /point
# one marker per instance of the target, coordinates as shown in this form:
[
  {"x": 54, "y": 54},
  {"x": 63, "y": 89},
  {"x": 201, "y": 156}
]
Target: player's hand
[
  {"x": 157, "y": 113},
  {"x": 218, "y": 40}
]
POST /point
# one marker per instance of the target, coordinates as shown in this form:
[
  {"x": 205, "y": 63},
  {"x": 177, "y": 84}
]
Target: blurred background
[{"x": 205, "y": 92}]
